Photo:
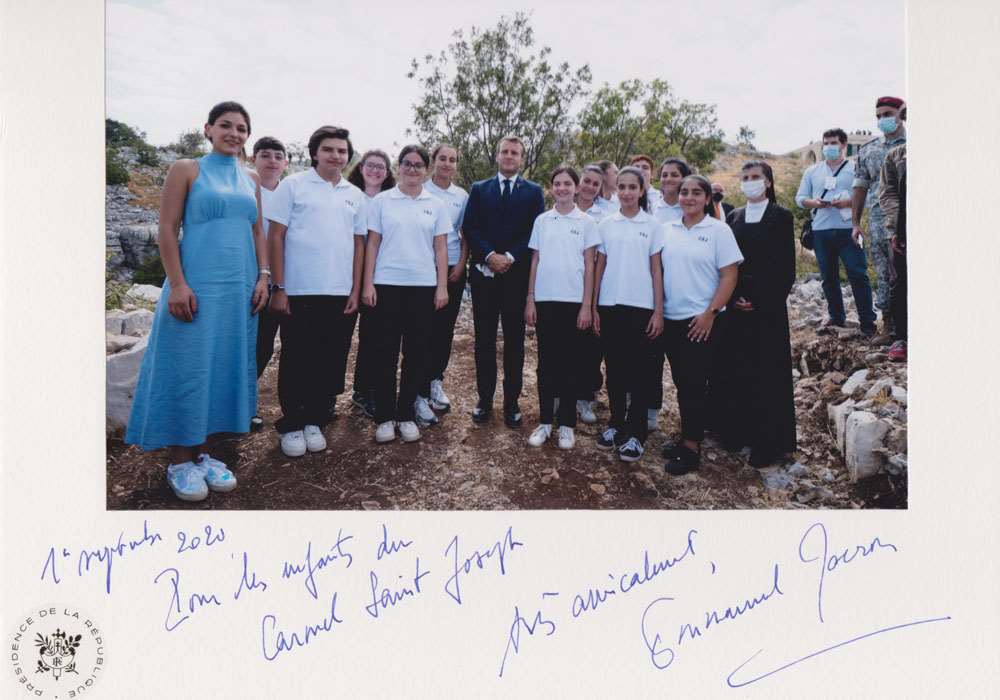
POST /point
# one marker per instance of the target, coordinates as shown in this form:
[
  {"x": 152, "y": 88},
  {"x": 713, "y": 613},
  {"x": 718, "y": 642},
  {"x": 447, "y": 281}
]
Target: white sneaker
[
  {"x": 566, "y": 438},
  {"x": 652, "y": 419},
  {"x": 293, "y": 444},
  {"x": 439, "y": 400},
  {"x": 422, "y": 410},
  {"x": 540, "y": 435},
  {"x": 586, "y": 411},
  {"x": 315, "y": 442},
  {"x": 217, "y": 475},
  {"x": 408, "y": 431},
  {"x": 385, "y": 432},
  {"x": 187, "y": 480}
]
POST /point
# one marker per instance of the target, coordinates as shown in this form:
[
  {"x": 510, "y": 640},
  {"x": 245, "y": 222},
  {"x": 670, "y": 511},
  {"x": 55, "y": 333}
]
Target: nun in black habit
[{"x": 752, "y": 382}]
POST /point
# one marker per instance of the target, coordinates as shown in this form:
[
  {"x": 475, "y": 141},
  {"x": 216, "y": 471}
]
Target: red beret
[{"x": 889, "y": 102}]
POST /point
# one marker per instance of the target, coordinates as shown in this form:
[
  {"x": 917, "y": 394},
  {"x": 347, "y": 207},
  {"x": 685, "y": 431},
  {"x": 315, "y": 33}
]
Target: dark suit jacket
[
  {"x": 484, "y": 227},
  {"x": 768, "y": 270},
  {"x": 727, "y": 209}
]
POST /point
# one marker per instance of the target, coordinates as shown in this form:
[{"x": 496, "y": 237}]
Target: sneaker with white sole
[
  {"x": 385, "y": 432},
  {"x": 439, "y": 400},
  {"x": 539, "y": 435},
  {"x": 315, "y": 442},
  {"x": 408, "y": 431},
  {"x": 293, "y": 443},
  {"x": 631, "y": 451},
  {"x": 566, "y": 438},
  {"x": 652, "y": 418},
  {"x": 585, "y": 409},
  {"x": 608, "y": 440},
  {"x": 187, "y": 480},
  {"x": 422, "y": 410},
  {"x": 217, "y": 475}
]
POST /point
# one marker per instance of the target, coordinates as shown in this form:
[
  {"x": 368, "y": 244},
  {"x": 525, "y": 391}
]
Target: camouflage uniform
[{"x": 866, "y": 174}]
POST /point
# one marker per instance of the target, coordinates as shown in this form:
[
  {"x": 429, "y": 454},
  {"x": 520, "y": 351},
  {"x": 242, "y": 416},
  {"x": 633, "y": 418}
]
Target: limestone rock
[
  {"x": 896, "y": 464},
  {"x": 776, "y": 478},
  {"x": 898, "y": 394},
  {"x": 113, "y": 321},
  {"x": 117, "y": 343},
  {"x": 855, "y": 382},
  {"x": 838, "y": 420},
  {"x": 865, "y": 434},
  {"x": 881, "y": 387},
  {"x": 122, "y": 376},
  {"x": 145, "y": 292},
  {"x": 138, "y": 322}
]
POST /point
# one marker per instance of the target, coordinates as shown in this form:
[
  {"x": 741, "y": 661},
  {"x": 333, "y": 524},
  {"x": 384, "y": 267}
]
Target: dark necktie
[{"x": 505, "y": 195}]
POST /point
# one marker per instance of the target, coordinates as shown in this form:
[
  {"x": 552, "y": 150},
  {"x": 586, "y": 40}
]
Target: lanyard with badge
[{"x": 829, "y": 184}]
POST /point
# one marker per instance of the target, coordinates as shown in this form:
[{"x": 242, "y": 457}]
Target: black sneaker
[
  {"x": 512, "y": 415},
  {"x": 482, "y": 412},
  {"x": 682, "y": 461},
  {"x": 868, "y": 331},
  {"x": 631, "y": 451},
  {"x": 610, "y": 439},
  {"x": 359, "y": 399},
  {"x": 369, "y": 407}
]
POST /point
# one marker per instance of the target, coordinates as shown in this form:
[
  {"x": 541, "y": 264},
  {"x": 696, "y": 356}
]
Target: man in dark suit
[{"x": 498, "y": 220}]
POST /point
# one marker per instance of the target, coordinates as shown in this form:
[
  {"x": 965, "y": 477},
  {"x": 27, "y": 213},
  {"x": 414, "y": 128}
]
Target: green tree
[
  {"x": 114, "y": 170},
  {"x": 118, "y": 134},
  {"x": 490, "y": 84},
  {"x": 746, "y": 137},
  {"x": 190, "y": 144},
  {"x": 637, "y": 117}
]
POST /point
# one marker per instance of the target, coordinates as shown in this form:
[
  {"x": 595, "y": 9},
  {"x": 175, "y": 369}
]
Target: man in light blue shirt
[{"x": 826, "y": 189}]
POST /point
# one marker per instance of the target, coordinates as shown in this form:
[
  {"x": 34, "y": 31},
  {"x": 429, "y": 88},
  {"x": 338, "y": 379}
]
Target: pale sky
[{"x": 787, "y": 68}]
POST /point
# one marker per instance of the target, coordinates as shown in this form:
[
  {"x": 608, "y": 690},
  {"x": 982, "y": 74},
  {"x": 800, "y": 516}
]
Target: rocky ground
[{"x": 458, "y": 465}]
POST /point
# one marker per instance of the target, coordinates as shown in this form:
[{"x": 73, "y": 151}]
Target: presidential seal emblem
[{"x": 57, "y": 652}]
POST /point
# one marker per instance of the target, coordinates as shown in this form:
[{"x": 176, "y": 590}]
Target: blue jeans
[{"x": 832, "y": 245}]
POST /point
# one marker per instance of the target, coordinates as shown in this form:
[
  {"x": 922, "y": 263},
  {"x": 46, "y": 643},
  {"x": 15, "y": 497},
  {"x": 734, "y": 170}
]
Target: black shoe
[
  {"x": 512, "y": 415},
  {"x": 631, "y": 451},
  {"x": 610, "y": 439},
  {"x": 359, "y": 399},
  {"x": 868, "y": 331},
  {"x": 482, "y": 412},
  {"x": 683, "y": 461},
  {"x": 256, "y": 423}
]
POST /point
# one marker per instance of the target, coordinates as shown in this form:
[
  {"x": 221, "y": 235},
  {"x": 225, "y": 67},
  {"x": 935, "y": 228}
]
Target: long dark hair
[
  {"x": 679, "y": 162},
  {"x": 358, "y": 180},
  {"x": 705, "y": 186},
  {"x": 632, "y": 170},
  {"x": 768, "y": 173},
  {"x": 230, "y": 106}
]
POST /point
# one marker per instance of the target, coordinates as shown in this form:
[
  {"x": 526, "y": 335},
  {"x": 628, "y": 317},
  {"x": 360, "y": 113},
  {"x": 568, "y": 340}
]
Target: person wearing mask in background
[
  {"x": 270, "y": 161},
  {"x": 891, "y": 115},
  {"x": 499, "y": 217},
  {"x": 197, "y": 374},
  {"x": 826, "y": 189},
  {"x": 444, "y": 166},
  {"x": 646, "y": 165},
  {"x": 892, "y": 199},
  {"x": 559, "y": 305},
  {"x": 406, "y": 281},
  {"x": 628, "y": 312},
  {"x": 722, "y": 208},
  {"x": 700, "y": 259},
  {"x": 317, "y": 239},
  {"x": 609, "y": 191},
  {"x": 752, "y": 400},
  {"x": 372, "y": 174}
]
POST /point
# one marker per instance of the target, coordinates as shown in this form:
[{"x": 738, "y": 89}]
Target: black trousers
[
  {"x": 443, "y": 333},
  {"x": 402, "y": 314},
  {"x": 656, "y": 379},
  {"x": 628, "y": 357},
  {"x": 267, "y": 331},
  {"x": 315, "y": 342},
  {"x": 691, "y": 369},
  {"x": 897, "y": 295},
  {"x": 500, "y": 298},
  {"x": 364, "y": 360},
  {"x": 589, "y": 378},
  {"x": 558, "y": 360}
]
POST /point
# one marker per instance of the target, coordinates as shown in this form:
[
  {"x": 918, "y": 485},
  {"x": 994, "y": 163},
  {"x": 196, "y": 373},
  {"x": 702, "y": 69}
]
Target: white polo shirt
[
  {"x": 653, "y": 196},
  {"x": 408, "y": 226},
  {"x": 692, "y": 259},
  {"x": 628, "y": 245},
  {"x": 322, "y": 221},
  {"x": 561, "y": 241},
  {"x": 665, "y": 213},
  {"x": 266, "y": 204},
  {"x": 454, "y": 199}
]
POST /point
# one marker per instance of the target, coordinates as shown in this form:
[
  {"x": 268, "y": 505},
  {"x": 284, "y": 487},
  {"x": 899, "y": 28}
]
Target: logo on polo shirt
[
  {"x": 428, "y": 212},
  {"x": 575, "y": 231},
  {"x": 706, "y": 239},
  {"x": 643, "y": 234},
  {"x": 349, "y": 202}
]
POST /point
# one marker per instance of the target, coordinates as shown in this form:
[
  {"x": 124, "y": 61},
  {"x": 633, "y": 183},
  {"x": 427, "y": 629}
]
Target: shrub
[
  {"x": 190, "y": 144},
  {"x": 150, "y": 272},
  {"x": 117, "y": 134},
  {"x": 114, "y": 170}
]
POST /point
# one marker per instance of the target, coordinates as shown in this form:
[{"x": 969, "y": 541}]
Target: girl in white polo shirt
[
  {"x": 406, "y": 280},
  {"x": 444, "y": 162},
  {"x": 559, "y": 303},
  {"x": 628, "y": 313},
  {"x": 700, "y": 259},
  {"x": 316, "y": 235}
]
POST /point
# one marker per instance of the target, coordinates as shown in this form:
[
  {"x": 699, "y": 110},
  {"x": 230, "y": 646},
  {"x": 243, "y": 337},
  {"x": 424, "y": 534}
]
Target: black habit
[{"x": 752, "y": 380}]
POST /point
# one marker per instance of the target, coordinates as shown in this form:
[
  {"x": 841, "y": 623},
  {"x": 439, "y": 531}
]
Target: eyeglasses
[
  {"x": 375, "y": 167},
  {"x": 412, "y": 165}
]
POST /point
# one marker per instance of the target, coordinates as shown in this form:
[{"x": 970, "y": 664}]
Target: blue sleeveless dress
[{"x": 200, "y": 378}]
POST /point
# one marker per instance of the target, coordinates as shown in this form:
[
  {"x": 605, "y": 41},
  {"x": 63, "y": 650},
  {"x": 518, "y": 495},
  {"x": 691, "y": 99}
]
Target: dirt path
[{"x": 458, "y": 465}]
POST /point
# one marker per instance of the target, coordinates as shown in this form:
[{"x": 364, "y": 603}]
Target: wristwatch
[{"x": 715, "y": 312}]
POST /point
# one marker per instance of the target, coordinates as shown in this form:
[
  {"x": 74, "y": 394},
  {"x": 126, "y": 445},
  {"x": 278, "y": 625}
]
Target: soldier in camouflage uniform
[{"x": 891, "y": 115}]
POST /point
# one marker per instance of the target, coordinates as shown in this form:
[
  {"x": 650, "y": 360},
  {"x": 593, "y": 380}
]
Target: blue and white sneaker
[
  {"x": 187, "y": 480},
  {"x": 217, "y": 475}
]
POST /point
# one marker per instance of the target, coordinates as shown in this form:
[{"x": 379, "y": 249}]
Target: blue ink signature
[
  {"x": 500, "y": 550},
  {"x": 830, "y": 563},
  {"x": 335, "y": 553},
  {"x": 662, "y": 656},
  {"x": 387, "y": 546},
  {"x": 883, "y": 630},
  {"x": 195, "y": 602},
  {"x": 283, "y": 642},
  {"x": 186, "y": 544},
  {"x": 105, "y": 555},
  {"x": 249, "y": 580},
  {"x": 388, "y": 598},
  {"x": 521, "y": 624}
]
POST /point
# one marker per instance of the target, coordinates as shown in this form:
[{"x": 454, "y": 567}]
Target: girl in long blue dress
[{"x": 198, "y": 374}]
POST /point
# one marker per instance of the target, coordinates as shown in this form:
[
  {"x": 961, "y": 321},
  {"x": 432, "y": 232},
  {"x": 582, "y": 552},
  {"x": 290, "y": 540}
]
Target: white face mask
[{"x": 753, "y": 188}]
